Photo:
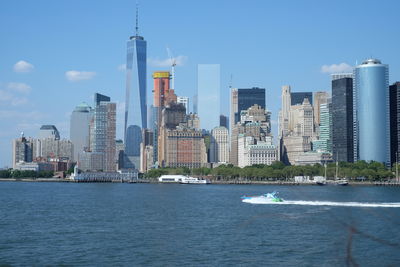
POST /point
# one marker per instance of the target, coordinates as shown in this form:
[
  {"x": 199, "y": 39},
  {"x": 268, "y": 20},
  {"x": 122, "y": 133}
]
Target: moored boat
[
  {"x": 342, "y": 182},
  {"x": 194, "y": 180},
  {"x": 182, "y": 179}
]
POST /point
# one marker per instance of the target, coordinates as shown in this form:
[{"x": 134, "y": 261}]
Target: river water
[{"x": 195, "y": 225}]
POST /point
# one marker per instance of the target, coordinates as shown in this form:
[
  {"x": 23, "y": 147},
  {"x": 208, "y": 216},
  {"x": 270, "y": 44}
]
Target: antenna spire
[{"x": 137, "y": 19}]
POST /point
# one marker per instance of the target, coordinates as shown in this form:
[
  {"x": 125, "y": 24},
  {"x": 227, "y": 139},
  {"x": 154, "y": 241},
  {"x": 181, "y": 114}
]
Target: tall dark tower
[
  {"x": 247, "y": 98},
  {"x": 342, "y": 120},
  {"x": 136, "y": 99},
  {"x": 394, "y": 95}
]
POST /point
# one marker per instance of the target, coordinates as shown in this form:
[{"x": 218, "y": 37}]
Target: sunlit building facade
[{"x": 371, "y": 99}]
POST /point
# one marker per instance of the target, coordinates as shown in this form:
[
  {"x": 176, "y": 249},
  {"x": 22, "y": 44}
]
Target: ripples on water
[{"x": 169, "y": 225}]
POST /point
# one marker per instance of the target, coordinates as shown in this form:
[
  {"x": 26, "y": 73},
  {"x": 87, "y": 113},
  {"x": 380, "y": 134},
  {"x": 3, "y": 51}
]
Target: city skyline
[{"x": 36, "y": 90}]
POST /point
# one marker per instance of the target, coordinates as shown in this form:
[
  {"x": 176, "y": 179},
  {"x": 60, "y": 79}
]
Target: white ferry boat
[
  {"x": 171, "y": 178},
  {"x": 181, "y": 179},
  {"x": 194, "y": 180}
]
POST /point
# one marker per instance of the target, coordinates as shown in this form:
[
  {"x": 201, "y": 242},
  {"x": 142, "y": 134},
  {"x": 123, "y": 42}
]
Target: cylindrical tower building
[{"x": 371, "y": 100}]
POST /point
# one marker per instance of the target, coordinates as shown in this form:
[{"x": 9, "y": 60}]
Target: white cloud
[
  {"x": 23, "y": 66},
  {"x": 74, "y": 75},
  {"x": 336, "y": 68},
  {"x": 122, "y": 67},
  {"x": 19, "y": 87},
  {"x": 156, "y": 62}
]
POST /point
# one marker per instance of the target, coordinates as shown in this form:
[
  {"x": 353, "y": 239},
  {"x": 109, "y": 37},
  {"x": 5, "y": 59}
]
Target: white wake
[{"x": 325, "y": 203}]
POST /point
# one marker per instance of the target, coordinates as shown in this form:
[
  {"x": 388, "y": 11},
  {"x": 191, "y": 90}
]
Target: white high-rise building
[
  {"x": 306, "y": 118},
  {"x": 79, "y": 128},
  {"x": 49, "y": 131},
  {"x": 219, "y": 147},
  {"x": 284, "y": 114}
]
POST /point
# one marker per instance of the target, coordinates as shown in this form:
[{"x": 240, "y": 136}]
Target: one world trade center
[{"x": 136, "y": 99}]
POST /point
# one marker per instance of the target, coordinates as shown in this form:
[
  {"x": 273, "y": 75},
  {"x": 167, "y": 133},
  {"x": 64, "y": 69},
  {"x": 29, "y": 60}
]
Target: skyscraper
[
  {"x": 319, "y": 98},
  {"x": 242, "y": 99},
  {"x": 342, "y": 120},
  {"x": 132, "y": 151},
  {"x": 371, "y": 99},
  {"x": 208, "y": 94},
  {"x": 136, "y": 99},
  {"x": 394, "y": 121},
  {"x": 284, "y": 113},
  {"x": 297, "y": 98},
  {"x": 49, "y": 131},
  {"x": 219, "y": 147},
  {"x": 223, "y": 121},
  {"x": 102, "y": 131},
  {"x": 79, "y": 128},
  {"x": 22, "y": 150},
  {"x": 324, "y": 143}
]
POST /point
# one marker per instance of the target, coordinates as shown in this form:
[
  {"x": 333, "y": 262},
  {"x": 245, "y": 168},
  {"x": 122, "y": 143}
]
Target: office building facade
[
  {"x": 342, "y": 120},
  {"x": 208, "y": 95},
  {"x": 136, "y": 94},
  {"x": 297, "y": 98},
  {"x": 247, "y": 98},
  {"x": 49, "y": 131},
  {"x": 103, "y": 132},
  {"x": 371, "y": 99},
  {"x": 79, "y": 128},
  {"x": 394, "y": 121},
  {"x": 219, "y": 147}
]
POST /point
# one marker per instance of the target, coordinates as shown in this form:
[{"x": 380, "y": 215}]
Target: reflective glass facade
[
  {"x": 371, "y": 99},
  {"x": 394, "y": 121},
  {"x": 136, "y": 94},
  {"x": 136, "y": 99},
  {"x": 247, "y": 98},
  {"x": 297, "y": 98},
  {"x": 342, "y": 120},
  {"x": 208, "y": 94}
]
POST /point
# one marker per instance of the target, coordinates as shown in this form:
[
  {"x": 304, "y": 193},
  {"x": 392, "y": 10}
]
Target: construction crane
[{"x": 173, "y": 64}]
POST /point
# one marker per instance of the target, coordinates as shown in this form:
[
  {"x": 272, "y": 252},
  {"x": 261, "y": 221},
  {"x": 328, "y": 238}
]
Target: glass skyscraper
[
  {"x": 79, "y": 128},
  {"x": 247, "y": 98},
  {"x": 136, "y": 99},
  {"x": 342, "y": 119},
  {"x": 208, "y": 94},
  {"x": 297, "y": 98},
  {"x": 394, "y": 121},
  {"x": 371, "y": 113}
]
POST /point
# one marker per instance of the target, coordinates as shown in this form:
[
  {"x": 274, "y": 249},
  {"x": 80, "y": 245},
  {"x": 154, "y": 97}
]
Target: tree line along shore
[{"x": 359, "y": 171}]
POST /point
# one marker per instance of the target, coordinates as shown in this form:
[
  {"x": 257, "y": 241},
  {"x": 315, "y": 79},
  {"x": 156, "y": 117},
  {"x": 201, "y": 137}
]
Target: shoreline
[{"x": 216, "y": 182}]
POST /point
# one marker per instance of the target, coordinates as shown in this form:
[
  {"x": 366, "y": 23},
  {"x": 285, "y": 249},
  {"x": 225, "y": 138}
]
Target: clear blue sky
[{"x": 261, "y": 43}]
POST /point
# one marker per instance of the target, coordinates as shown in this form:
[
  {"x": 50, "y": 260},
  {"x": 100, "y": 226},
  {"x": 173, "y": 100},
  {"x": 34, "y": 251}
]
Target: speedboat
[{"x": 269, "y": 197}]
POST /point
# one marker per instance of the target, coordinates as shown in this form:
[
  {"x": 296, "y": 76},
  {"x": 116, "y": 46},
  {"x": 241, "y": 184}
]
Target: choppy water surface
[{"x": 169, "y": 225}]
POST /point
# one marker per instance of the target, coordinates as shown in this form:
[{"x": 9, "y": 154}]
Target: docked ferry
[
  {"x": 182, "y": 179},
  {"x": 194, "y": 180}
]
